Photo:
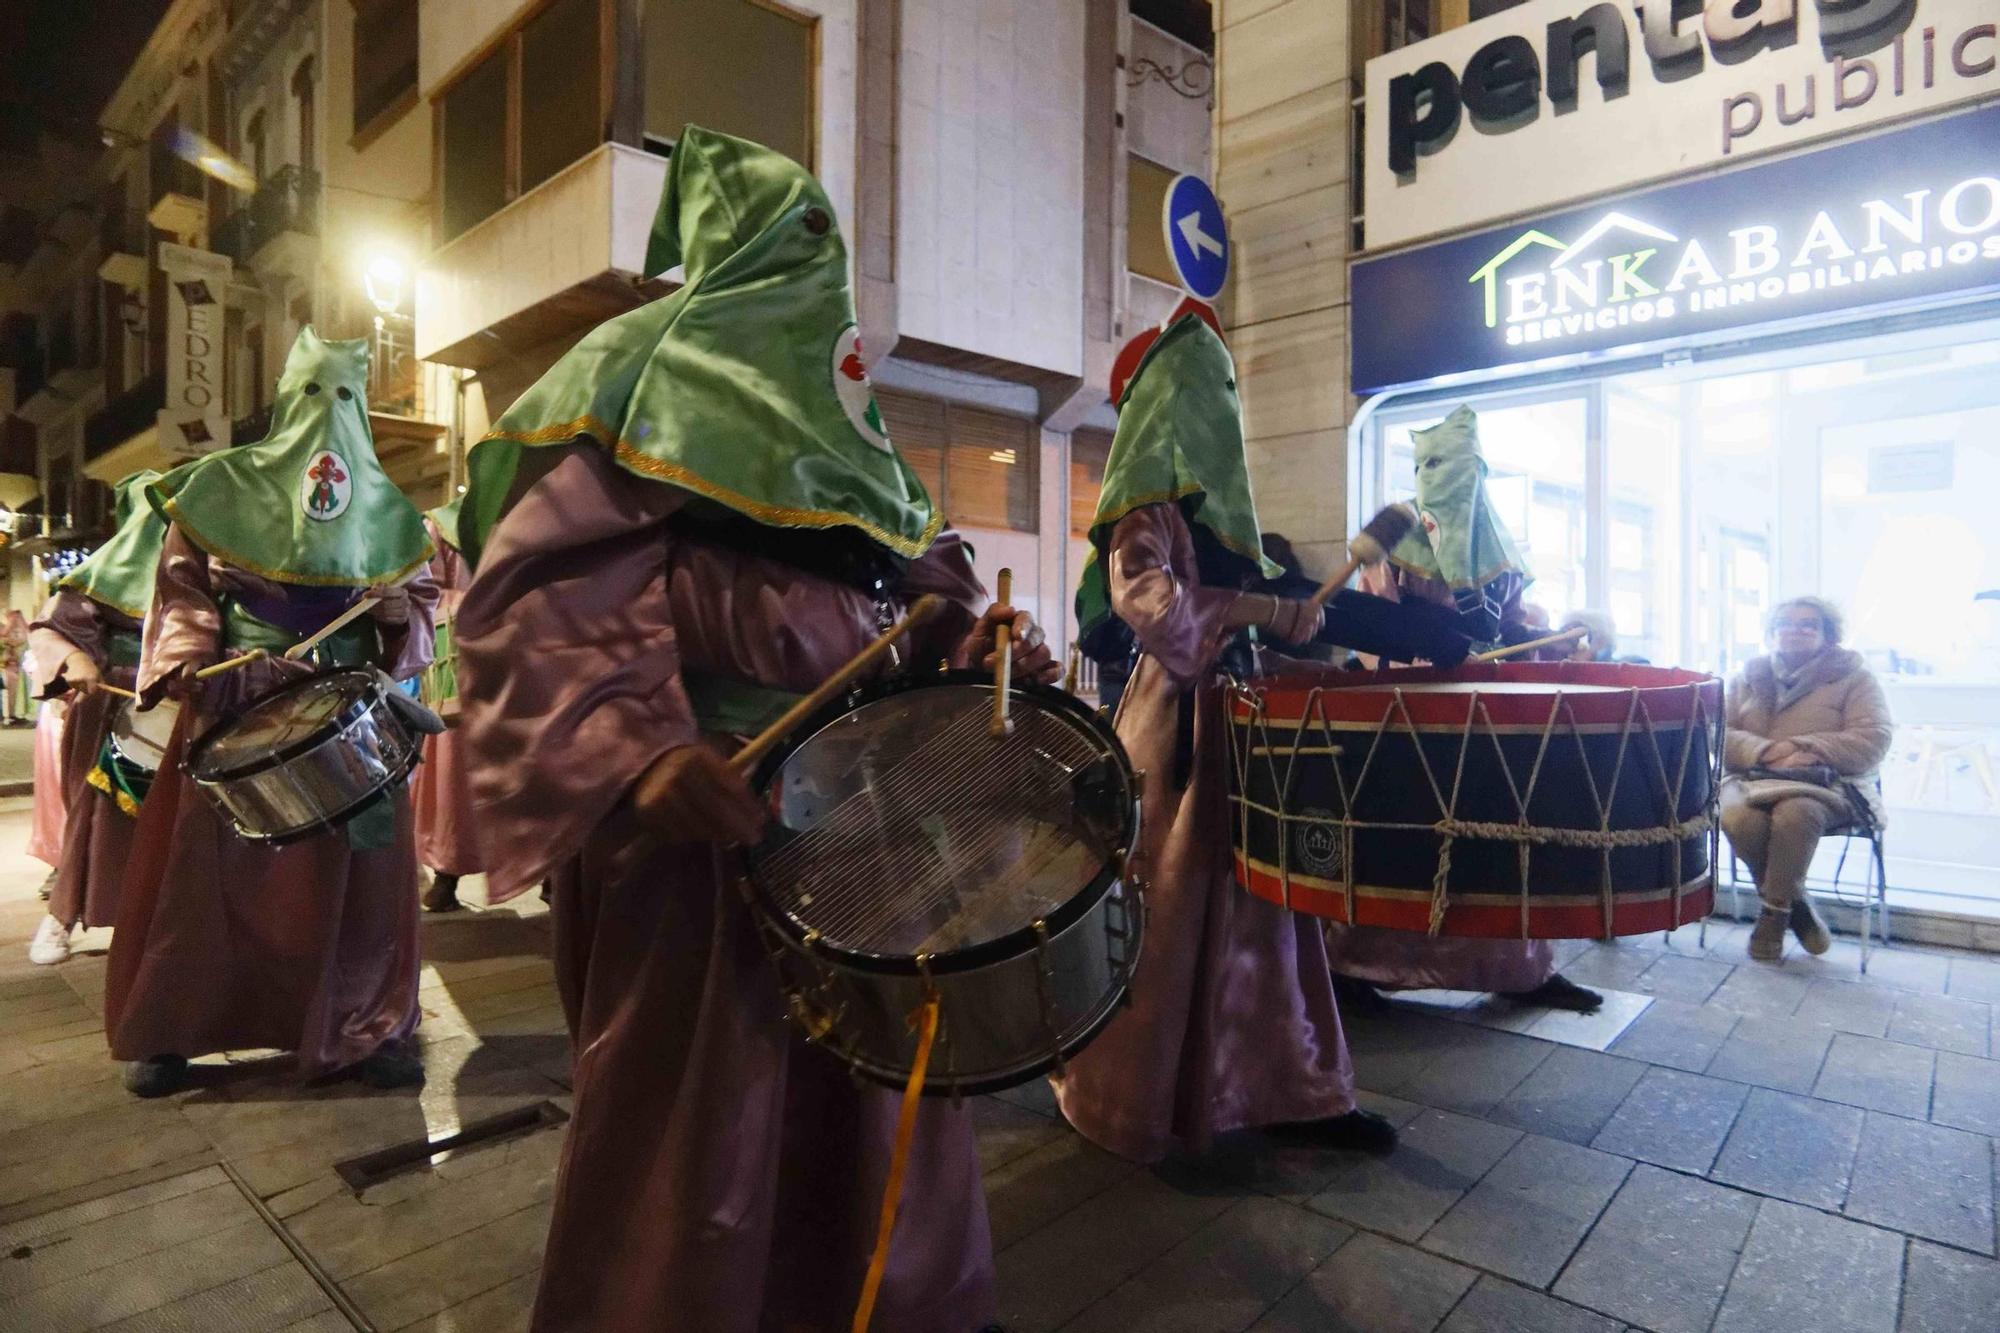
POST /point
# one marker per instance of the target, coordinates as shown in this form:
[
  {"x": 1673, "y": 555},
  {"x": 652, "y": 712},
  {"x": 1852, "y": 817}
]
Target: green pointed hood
[
  {"x": 744, "y": 386},
  {"x": 1460, "y": 537},
  {"x": 445, "y": 516},
  {"x": 309, "y": 503},
  {"x": 1180, "y": 438},
  {"x": 119, "y": 574}
]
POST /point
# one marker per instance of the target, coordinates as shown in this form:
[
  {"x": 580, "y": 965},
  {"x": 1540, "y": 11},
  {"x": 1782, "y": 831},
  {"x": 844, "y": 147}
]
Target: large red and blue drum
[{"x": 1521, "y": 800}]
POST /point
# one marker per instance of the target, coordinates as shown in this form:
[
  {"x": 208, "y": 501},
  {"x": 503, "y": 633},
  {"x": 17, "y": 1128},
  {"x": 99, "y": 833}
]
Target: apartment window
[
  {"x": 475, "y": 150},
  {"x": 385, "y": 61},
  {"x": 303, "y": 94},
  {"x": 740, "y": 66},
  {"x": 559, "y": 111},
  {"x": 1146, "y": 186},
  {"x": 978, "y": 465},
  {"x": 253, "y": 145},
  {"x": 531, "y": 107}
]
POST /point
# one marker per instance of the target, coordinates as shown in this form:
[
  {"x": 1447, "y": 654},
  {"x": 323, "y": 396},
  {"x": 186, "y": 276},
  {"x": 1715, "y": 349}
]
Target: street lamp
[{"x": 384, "y": 276}]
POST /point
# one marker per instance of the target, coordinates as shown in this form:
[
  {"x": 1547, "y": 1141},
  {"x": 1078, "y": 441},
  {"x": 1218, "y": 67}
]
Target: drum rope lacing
[{"x": 1672, "y": 829}]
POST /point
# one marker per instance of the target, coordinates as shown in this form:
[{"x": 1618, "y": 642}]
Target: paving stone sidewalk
[{"x": 1731, "y": 1147}]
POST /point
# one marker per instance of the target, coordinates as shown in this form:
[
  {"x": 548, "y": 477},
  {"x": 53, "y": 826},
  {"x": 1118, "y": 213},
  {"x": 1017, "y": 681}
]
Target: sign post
[{"x": 1196, "y": 238}]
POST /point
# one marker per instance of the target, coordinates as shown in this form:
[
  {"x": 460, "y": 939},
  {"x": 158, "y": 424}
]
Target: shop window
[
  {"x": 385, "y": 62},
  {"x": 1089, "y": 451},
  {"x": 980, "y": 466},
  {"x": 1146, "y": 186},
  {"x": 740, "y": 66},
  {"x": 522, "y": 114}
]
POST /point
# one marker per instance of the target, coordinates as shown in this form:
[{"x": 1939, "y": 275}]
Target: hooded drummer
[
  {"x": 448, "y": 835},
  {"x": 308, "y": 947},
  {"x": 1232, "y": 1022},
  {"x": 1459, "y": 555},
  {"x": 694, "y": 518},
  {"x": 86, "y": 637}
]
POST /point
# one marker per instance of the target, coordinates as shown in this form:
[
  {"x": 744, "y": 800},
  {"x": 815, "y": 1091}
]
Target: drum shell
[
  {"x": 367, "y": 752},
  {"x": 1641, "y": 746},
  {"x": 988, "y": 1016}
]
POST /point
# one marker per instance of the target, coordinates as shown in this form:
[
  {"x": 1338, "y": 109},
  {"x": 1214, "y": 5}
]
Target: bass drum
[{"x": 912, "y": 854}]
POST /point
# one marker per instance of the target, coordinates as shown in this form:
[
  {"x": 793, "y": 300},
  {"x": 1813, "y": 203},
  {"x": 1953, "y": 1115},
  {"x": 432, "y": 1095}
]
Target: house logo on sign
[{"x": 1626, "y": 273}]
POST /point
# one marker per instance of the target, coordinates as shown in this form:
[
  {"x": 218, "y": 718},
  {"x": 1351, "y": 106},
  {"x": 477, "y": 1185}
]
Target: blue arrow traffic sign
[{"x": 1195, "y": 236}]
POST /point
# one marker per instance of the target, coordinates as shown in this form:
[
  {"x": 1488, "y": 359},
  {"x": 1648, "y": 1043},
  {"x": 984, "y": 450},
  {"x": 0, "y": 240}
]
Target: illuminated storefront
[{"x": 1735, "y": 383}]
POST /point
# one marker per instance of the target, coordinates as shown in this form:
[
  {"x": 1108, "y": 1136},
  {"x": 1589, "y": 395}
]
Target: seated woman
[{"x": 1808, "y": 729}]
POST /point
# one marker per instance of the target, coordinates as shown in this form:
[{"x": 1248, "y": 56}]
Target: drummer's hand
[
  {"x": 691, "y": 794},
  {"x": 80, "y": 674},
  {"x": 392, "y": 604},
  {"x": 1032, "y": 658},
  {"x": 1295, "y": 620}
]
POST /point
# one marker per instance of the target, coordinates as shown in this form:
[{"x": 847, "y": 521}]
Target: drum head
[
  {"x": 281, "y": 725},
  {"x": 140, "y": 738},
  {"x": 901, "y": 827}
]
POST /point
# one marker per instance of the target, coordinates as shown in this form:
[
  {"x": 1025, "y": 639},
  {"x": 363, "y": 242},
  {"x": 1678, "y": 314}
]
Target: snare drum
[
  {"x": 1521, "y": 800},
  {"x": 139, "y": 739},
  {"x": 305, "y": 758},
  {"x": 911, "y": 854}
]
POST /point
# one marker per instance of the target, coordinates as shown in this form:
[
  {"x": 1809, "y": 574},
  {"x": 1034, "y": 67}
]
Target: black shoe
[
  {"x": 160, "y": 1076},
  {"x": 546, "y": 890},
  {"x": 1559, "y": 992},
  {"x": 393, "y": 1065},
  {"x": 443, "y": 895},
  {"x": 1363, "y": 1130},
  {"x": 1357, "y": 995}
]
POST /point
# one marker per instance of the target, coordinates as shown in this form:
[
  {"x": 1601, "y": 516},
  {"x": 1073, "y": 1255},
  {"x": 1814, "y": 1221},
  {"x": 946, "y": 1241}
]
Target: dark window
[
  {"x": 385, "y": 59},
  {"x": 1193, "y": 21},
  {"x": 559, "y": 112},
  {"x": 474, "y": 113},
  {"x": 739, "y": 66},
  {"x": 302, "y": 89},
  {"x": 253, "y": 146}
]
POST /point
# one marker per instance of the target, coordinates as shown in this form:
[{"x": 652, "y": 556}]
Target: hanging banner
[
  {"x": 1904, "y": 217},
  {"x": 195, "y": 419}
]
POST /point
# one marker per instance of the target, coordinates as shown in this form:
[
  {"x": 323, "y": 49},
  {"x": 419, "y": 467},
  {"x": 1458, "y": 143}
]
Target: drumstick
[
  {"x": 747, "y": 758},
  {"x": 118, "y": 690},
  {"x": 1545, "y": 641},
  {"x": 1003, "y": 659},
  {"x": 1075, "y": 663},
  {"x": 297, "y": 650},
  {"x": 304, "y": 646},
  {"x": 1369, "y": 546}
]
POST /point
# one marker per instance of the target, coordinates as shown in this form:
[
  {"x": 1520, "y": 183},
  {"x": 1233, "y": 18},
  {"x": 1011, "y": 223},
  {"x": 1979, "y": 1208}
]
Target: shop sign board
[
  {"x": 195, "y": 418},
  {"x": 1907, "y": 215},
  {"x": 1558, "y": 100}
]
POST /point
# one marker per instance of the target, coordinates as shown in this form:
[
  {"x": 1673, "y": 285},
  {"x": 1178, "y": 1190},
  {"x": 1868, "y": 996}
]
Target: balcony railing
[
  {"x": 287, "y": 201},
  {"x": 125, "y": 416}
]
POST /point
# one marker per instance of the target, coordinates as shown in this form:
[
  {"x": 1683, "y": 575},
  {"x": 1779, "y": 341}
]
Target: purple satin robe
[
  {"x": 1405, "y": 959},
  {"x": 447, "y": 834},
  {"x": 720, "y": 1176},
  {"x": 1232, "y": 1022},
  {"x": 97, "y": 835},
  {"x": 225, "y": 945}
]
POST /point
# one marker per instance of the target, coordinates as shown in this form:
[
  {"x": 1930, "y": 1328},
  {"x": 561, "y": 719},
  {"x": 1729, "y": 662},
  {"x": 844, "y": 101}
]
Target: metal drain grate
[{"x": 373, "y": 1168}]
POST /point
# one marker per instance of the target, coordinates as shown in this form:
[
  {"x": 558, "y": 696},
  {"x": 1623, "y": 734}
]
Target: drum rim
[
  {"x": 284, "y": 754},
  {"x": 127, "y": 706},
  {"x": 329, "y": 823},
  {"x": 1360, "y": 697},
  {"x": 1001, "y": 947}
]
